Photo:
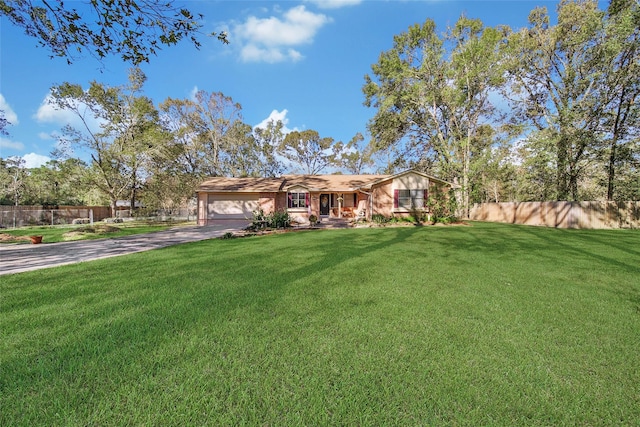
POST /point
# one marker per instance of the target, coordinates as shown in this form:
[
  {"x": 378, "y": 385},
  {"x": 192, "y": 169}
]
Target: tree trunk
[
  {"x": 562, "y": 183},
  {"x": 133, "y": 200},
  {"x": 621, "y": 116},
  {"x": 611, "y": 169},
  {"x": 112, "y": 204}
]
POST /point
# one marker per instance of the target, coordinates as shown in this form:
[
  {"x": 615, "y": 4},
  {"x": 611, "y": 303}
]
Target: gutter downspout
[{"x": 370, "y": 202}]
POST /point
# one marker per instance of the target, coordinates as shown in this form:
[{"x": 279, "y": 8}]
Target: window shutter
[
  {"x": 306, "y": 199},
  {"x": 396, "y": 194},
  {"x": 426, "y": 196}
]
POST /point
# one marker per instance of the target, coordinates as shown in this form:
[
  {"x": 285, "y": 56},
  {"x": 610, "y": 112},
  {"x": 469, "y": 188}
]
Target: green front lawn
[
  {"x": 83, "y": 232},
  {"x": 481, "y": 325}
]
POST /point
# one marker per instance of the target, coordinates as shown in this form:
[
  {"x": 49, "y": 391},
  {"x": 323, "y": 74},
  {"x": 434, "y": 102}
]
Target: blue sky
[{"x": 299, "y": 61}]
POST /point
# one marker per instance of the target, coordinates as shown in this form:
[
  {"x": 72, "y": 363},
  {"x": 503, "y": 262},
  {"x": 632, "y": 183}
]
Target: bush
[
  {"x": 260, "y": 220},
  {"x": 279, "y": 219},
  {"x": 379, "y": 219},
  {"x": 442, "y": 206},
  {"x": 228, "y": 235},
  {"x": 313, "y": 219}
]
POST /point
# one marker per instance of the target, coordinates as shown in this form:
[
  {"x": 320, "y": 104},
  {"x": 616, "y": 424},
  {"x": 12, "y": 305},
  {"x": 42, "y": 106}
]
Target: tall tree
[
  {"x": 269, "y": 140},
  {"x": 356, "y": 157},
  {"x": 310, "y": 152},
  {"x": 242, "y": 155},
  {"x": 13, "y": 177},
  {"x": 202, "y": 124},
  {"x": 134, "y": 30},
  {"x": 120, "y": 142},
  {"x": 554, "y": 73},
  {"x": 620, "y": 120},
  {"x": 432, "y": 95}
]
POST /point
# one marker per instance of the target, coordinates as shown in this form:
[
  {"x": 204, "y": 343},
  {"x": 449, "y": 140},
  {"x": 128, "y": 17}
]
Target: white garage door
[{"x": 233, "y": 206}]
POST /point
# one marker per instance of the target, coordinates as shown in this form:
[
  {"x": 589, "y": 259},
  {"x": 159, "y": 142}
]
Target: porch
[{"x": 338, "y": 205}]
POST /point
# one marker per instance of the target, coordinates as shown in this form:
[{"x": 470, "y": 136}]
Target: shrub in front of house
[
  {"x": 278, "y": 219},
  {"x": 379, "y": 219},
  {"x": 442, "y": 206}
]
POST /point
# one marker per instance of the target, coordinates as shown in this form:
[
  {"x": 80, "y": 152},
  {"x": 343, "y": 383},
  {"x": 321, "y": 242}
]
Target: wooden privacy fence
[
  {"x": 20, "y": 216},
  {"x": 561, "y": 214}
]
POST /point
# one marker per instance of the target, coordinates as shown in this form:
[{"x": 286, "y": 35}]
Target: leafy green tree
[
  {"x": 121, "y": 145},
  {"x": 554, "y": 73},
  {"x": 492, "y": 173},
  {"x": 55, "y": 183},
  {"x": 355, "y": 157},
  {"x": 310, "y": 152},
  {"x": 5, "y": 182},
  {"x": 134, "y": 30},
  {"x": 201, "y": 126},
  {"x": 208, "y": 138},
  {"x": 620, "y": 121},
  {"x": 242, "y": 155},
  {"x": 432, "y": 94},
  {"x": 13, "y": 177},
  {"x": 269, "y": 140},
  {"x": 536, "y": 169}
]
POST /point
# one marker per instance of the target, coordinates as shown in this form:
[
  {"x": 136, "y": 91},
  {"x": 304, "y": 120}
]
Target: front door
[{"x": 324, "y": 204}]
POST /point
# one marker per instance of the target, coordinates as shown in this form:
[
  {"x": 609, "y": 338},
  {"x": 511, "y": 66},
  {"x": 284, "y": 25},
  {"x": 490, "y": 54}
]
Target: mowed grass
[
  {"x": 481, "y": 325},
  {"x": 55, "y": 234}
]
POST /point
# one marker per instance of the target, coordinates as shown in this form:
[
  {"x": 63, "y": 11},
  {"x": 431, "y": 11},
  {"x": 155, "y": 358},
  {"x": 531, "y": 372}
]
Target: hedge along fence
[
  {"x": 21, "y": 216},
  {"x": 561, "y": 214}
]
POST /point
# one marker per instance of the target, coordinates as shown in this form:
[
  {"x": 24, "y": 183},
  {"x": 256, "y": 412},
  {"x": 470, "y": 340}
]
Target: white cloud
[
  {"x": 33, "y": 160},
  {"x": 11, "y": 145},
  {"x": 253, "y": 53},
  {"x": 334, "y": 4},
  {"x": 9, "y": 114},
  {"x": 274, "y": 117},
  {"x": 45, "y": 135},
  {"x": 192, "y": 94},
  {"x": 49, "y": 113},
  {"x": 273, "y": 39}
]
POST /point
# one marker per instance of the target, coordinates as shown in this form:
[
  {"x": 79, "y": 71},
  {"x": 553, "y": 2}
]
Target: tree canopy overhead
[
  {"x": 549, "y": 111},
  {"x": 131, "y": 29}
]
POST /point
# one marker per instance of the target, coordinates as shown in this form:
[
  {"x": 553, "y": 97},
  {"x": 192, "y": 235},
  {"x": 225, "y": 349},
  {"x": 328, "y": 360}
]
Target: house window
[
  {"x": 409, "y": 199},
  {"x": 298, "y": 200}
]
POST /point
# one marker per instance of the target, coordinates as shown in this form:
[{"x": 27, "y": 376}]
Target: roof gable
[
  {"x": 312, "y": 183},
  {"x": 411, "y": 171},
  {"x": 246, "y": 185},
  {"x": 328, "y": 182}
]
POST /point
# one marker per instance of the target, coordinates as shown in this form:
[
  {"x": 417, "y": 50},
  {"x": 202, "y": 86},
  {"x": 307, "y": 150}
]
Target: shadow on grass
[
  {"x": 112, "y": 321},
  {"x": 65, "y": 323}
]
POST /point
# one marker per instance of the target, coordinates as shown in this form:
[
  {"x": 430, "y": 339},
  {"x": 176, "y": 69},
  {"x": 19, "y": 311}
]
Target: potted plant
[{"x": 313, "y": 220}]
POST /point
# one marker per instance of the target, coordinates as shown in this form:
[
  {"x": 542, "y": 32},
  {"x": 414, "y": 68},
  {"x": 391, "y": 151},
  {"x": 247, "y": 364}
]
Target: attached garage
[
  {"x": 231, "y": 206},
  {"x": 221, "y": 198}
]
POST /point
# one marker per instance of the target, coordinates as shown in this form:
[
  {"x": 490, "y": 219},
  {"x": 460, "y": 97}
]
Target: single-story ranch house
[{"x": 325, "y": 196}]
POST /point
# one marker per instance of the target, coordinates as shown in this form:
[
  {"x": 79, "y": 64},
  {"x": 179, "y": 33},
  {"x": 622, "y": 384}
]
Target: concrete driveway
[{"x": 27, "y": 257}]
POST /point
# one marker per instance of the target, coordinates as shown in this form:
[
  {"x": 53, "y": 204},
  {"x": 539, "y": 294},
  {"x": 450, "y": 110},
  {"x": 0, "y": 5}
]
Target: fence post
[
  {"x": 52, "y": 217},
  {"x": 91, "y": 216}
]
